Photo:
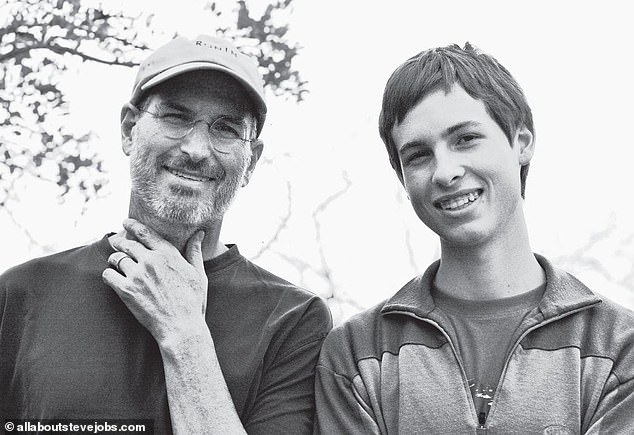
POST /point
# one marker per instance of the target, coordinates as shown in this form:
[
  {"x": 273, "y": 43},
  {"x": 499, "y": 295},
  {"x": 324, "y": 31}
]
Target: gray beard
[{"x": 182, "y": 206}]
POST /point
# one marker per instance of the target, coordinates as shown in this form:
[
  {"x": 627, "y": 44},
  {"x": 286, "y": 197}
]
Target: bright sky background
[{"x": 573, "y": 59}]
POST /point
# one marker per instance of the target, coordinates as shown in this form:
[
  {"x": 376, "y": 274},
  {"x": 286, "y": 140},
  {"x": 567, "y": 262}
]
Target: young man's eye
[
  {"x": 467, "y": 139},
  {"x": 417, "y": 157}
]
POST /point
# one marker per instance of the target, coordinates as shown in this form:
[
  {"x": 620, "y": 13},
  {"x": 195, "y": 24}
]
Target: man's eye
[
  {"x": 226, "y": 129},
  {"x": 175, "y": 118},
  {"x": 467, "y": 139}
]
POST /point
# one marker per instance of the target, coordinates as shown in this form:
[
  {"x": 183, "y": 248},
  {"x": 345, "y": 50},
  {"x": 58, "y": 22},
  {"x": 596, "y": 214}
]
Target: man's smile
[
  {"x": 458, "y": 201},
  {"x": 188, "y": 174}
]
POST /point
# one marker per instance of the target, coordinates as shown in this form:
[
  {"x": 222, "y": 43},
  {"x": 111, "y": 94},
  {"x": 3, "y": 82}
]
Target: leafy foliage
[
  {"x": 273, "y": 51},
  {"x": 42, "y": 39}
]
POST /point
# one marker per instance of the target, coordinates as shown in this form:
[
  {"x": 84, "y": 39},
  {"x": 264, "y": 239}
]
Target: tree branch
[
  {"x": 410, "y": 250},
  {"x": 282, "y": 225},
  {"x": 63, "y": 50},
  {"x": 325, "y": 269}
]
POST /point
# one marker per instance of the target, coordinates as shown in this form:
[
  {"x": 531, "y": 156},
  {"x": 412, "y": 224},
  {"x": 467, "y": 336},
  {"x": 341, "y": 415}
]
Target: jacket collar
[{"x": 564, "y": 293}]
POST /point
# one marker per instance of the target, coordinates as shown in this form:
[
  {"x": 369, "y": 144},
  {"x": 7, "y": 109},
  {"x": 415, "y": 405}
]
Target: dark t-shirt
[
  {"x": 484, "y": 333},
  {"x": 69, "y": 348}
]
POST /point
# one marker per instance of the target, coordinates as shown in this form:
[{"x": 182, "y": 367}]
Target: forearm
[{"x": 198, "y": 396}]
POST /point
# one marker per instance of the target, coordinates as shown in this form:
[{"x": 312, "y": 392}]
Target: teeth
[
  {"x": 188, "y": 176},
  {"x": 460, "y": 201}
]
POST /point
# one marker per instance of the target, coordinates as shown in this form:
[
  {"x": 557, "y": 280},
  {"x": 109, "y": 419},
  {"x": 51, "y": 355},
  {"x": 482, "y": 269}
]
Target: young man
[
  {"x": 162, "y": 321},
  {"x": 491, "y": 338}
]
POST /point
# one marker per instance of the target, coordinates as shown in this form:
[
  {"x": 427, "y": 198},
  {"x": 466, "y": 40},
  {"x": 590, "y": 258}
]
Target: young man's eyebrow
[
  {"x": 456, "y": 127},
  {"x": 417, "y": 143}
]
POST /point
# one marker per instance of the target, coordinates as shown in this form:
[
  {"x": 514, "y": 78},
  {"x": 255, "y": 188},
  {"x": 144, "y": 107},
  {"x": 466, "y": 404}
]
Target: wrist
[{"x": 183, "y": 337}]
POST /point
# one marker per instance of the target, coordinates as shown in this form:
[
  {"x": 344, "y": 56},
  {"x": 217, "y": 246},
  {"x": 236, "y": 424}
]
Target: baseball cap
[{"x": 182, "y": 55}]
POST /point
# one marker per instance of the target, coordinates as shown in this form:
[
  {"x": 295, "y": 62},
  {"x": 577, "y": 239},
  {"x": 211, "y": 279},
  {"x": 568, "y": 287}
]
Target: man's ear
[
  {"x": 129, "y": 117},
  {"x": 257, "y": 146},
  {"x": 525, "y": 143}
]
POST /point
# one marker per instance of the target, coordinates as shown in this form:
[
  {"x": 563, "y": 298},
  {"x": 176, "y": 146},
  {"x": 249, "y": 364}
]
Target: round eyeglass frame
[{"x": 220, "y": 143}]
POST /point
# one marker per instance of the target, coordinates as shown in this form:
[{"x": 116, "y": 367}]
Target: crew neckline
[
  {"x": 475, "y": 308},
  {"x": 227, "y": 258}
]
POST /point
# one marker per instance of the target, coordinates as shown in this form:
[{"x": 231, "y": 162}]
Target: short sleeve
[{"x": 285, "y": 401}]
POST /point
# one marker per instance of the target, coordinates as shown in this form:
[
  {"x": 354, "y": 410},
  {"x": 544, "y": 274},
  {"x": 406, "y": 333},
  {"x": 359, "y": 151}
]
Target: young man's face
[
  {"x": 459, "y": 170},
  {"x": 186, "y": 180}
]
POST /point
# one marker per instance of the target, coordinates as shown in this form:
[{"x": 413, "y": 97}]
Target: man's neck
[
  {"x": 499, "y": 268},
  {"x": 178, "y": 234}
]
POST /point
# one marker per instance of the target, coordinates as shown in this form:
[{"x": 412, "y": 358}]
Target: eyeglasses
[{"x": 226, "y": 133}]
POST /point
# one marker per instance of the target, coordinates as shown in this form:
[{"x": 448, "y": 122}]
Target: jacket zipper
[
  {"x": 465, "y": 382},
  {"x": 481, "y": 426},
  {"x": 522, "y": 336}
]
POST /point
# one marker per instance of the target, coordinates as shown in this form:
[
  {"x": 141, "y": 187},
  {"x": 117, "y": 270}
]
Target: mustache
[{"x": 203, "y": 167}]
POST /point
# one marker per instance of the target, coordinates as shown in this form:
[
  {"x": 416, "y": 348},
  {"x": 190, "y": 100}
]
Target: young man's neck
[
  {"x": 179, "y": 234},
  {"x": 499, "y": 268}
]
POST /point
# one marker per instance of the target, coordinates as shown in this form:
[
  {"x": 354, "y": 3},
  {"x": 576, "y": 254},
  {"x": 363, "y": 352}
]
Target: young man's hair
[{"x": 478, "y": 73}]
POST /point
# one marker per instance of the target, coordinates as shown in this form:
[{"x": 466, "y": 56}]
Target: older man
[{"x": 162, "y": 321}]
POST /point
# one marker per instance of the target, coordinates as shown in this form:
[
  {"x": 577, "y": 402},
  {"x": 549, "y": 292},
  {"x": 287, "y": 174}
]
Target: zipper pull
[{"x": 482, "y": 418}]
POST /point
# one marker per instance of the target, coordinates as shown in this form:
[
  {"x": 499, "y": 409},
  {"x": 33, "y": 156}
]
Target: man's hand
[{"x": 166, "y": 292}]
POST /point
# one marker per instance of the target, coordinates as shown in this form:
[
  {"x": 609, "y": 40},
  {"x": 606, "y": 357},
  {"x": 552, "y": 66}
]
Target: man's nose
[
  {"x": 448, "y": 169},
  {"x": 197, "y": 144}
]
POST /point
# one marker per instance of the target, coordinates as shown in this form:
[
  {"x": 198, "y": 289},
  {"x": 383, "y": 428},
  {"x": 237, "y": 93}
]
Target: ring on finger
[{"x": 121, "y": 259}]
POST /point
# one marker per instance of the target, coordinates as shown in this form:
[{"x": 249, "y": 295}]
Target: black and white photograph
[{"x": 289, "y": 217}]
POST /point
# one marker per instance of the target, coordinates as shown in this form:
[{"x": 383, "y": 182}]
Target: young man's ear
[
  {"x": 129, "y": 117},
  {"x": 525, "y": 143},
  {"x": 257, "y": 146}
]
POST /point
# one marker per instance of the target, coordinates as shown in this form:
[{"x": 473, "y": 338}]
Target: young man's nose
[{"x": 448, "y": 168}]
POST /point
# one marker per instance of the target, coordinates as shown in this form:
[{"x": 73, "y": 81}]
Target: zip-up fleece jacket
[{"x": 395, "y": 368}]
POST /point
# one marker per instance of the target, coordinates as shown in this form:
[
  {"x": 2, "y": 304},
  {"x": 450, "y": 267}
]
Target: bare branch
[
  {"x": 282, "y": 225},
  {"x": 579, "y": 257},
  {"x": 33, "y": 241},
  {"x": 410, "y": 250},
  {"x": 298, "y": 264},
  {"x": 582, "y": 258},
  {"x": 323, "y": 205},
  {"x": 325, "y": 269}
]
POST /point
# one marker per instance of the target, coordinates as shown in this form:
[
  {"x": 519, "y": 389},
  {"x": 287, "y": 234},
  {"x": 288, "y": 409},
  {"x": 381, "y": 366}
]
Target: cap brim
[
  {"x": 183, "y": 68},
  {"x": 193, "y": 66}
]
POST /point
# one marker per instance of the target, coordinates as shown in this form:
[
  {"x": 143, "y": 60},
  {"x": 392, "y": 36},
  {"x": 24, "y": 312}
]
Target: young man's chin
[{"x": 465, "y": 235}]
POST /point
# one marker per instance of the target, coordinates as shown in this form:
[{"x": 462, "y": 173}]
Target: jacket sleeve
[
  {"x": 614, "y": 411},
  {"x": 339, "y": 403}
]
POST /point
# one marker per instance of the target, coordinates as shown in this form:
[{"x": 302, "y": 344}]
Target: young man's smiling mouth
[{"x": 458, "y": 201}]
